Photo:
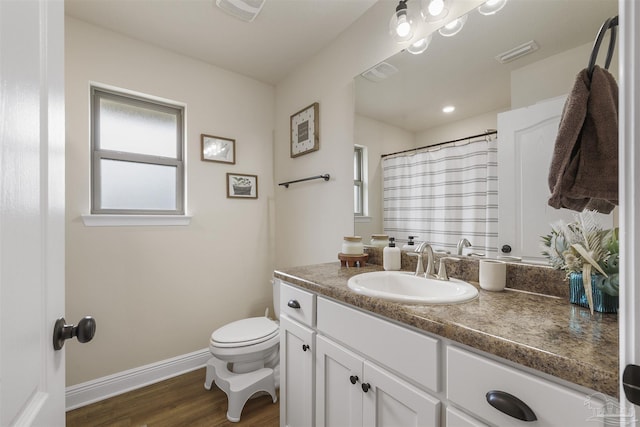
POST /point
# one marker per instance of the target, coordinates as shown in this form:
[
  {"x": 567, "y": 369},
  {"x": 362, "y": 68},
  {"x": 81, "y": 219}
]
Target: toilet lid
[{"x": 246, "y": 331}]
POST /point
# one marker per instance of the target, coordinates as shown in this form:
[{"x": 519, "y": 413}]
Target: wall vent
[
  {"x": 517, "y": 52},
  {"x": 379, "y": 72},
  {"x": 246, "y": 10}
]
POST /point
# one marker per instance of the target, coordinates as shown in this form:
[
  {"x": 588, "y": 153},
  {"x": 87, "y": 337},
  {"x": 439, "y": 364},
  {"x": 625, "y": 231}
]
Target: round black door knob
[
  {"x": 353, "y": 379},
  {"x": 84, "y": 331},
  {"x": 366, "y": 387},
  {"x": 506, "y": 249},
  {"x": 305, "y": 347}
]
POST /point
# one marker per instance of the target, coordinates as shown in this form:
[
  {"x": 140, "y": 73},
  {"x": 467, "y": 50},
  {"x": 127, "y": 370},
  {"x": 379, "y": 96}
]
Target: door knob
[
  {"x": 366, "y": 387},
  {"x": 305, "y": 347},
  {"x": 84, "y": 331},
  {"x": 354, "y": 379}
]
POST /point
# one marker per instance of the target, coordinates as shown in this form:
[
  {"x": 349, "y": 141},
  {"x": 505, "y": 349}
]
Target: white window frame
[
  {"x": 101, "y": 216},
  {"x": 362, "y": 182}
]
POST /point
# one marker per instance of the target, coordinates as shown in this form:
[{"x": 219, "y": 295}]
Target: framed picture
[
  {"x": 242, "y": 186},
  {"x": 218, "y": 149},
  {"x": 304, "y": 129}
]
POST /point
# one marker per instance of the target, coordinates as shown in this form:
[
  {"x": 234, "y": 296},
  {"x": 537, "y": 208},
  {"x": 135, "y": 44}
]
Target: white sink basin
[{"x": 407, "y": 288}]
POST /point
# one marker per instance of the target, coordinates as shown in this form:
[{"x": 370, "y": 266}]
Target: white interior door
[
  {"x": 526, "y": 138},
  {"x": 31, "y": 211}
]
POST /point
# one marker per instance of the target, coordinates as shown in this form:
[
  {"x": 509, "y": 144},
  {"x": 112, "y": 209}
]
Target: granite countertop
[{"x": 542, "y": 332}]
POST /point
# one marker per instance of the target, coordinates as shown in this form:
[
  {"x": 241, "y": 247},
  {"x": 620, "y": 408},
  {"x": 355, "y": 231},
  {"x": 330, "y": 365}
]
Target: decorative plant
[
  {"x": 241, "y": 181},
  {"x": 581, "y": 247}
]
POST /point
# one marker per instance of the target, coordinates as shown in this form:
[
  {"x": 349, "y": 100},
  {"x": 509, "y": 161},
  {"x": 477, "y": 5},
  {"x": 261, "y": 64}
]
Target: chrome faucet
[
  {"x": 431, "y": 263},
  {"x": 463, "y": 243}
]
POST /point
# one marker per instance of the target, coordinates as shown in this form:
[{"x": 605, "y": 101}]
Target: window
[
  {"x": 359, "y": 180},
  {"x": 137, "y": 164}
]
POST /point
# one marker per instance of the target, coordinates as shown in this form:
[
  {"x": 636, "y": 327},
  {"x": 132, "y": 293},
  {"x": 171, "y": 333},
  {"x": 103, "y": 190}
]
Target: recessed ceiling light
[{"x": 449, "y": 109}]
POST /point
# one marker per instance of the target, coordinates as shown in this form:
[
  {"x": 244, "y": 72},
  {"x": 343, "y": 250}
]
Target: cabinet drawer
[
  {"x": 408, "y": 353},
  {"x": 470, "y": 377},
  {"x": 298, "y": 304}
]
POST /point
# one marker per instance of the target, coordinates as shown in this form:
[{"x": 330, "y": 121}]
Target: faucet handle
[
  {"x": 442, "y": 268},
  {"x": 420, "y": 266}
]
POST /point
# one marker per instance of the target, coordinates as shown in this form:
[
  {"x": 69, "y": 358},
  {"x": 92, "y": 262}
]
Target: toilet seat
[{"x": 245, "y": 332}]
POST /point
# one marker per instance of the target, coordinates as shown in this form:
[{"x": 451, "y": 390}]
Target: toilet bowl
[{"x": 245, "y": 360}]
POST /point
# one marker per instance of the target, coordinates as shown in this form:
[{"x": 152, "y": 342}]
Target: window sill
[
  {"x": 135, "y": 220},
  {"x": 359, "y": 218}
]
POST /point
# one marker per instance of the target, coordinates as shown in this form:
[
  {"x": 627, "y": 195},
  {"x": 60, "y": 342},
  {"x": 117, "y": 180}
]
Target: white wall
[
  {"x": 554, "y": 76},
  {"x": 379, "y": 138},
  {"x": 159, "y": 292},
  {"x": 460, "y": 129}
]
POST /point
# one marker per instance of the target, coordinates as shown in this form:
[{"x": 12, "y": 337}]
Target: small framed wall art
[
  {"x": 304, "y": 130},
  {"x": 242, "y": 186},
  {"x": 218, "y": 149}
]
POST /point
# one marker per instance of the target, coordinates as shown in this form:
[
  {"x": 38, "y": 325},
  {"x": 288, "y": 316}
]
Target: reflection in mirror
[{"x": 404, "y": 110}]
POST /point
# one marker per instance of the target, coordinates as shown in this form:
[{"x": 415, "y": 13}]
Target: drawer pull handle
[
  {"x": 366, "y": 387},
  {"x": 305, "y": 347},
  {"x": 293, "y": 304},
  {"x": 510, "y": 405},
  {"x": 353, "y": 379}
]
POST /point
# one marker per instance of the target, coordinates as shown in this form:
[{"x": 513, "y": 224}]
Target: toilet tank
[{"x": 275, "y": 283}]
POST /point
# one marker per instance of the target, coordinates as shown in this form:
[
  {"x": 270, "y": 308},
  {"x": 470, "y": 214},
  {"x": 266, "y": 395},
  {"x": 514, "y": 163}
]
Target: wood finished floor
[{"x": 179, "y": 401}]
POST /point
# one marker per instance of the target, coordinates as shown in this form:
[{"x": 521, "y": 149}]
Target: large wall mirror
[{"x": 399, "y": 103}]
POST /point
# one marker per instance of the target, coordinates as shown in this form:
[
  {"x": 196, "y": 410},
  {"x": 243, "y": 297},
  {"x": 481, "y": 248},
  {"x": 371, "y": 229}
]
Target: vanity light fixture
[
  {"x": 491, "y": 6},
  {"x": 434, "y": 10},
  {"x": 419, "y": 46},
  {"x": 449, "y": 109},
  {"x": 403, "y": 23},
  {"x": 453, "y": 27},
  {"x": 245, "y": 10}
]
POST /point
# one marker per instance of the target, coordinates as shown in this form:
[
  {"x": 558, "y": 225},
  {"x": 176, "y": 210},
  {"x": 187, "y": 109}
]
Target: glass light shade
[
  {"x": 453, "y": 27},
  {"x": 419, "y": 46},
  {"x": 434, "y": 10},
  {"x": 403, "y": 24},
  {"x": 491, "y": 6}
]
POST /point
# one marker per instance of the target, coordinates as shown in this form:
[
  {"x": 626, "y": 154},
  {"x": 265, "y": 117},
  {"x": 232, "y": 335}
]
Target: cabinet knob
[
  {"x": 354, "y": 379},
  {"x": 510, "y": 405},
  {"x": 293, "y": 304},
  {"x": 305, "y": 347},
  {"x": 366, "y": 387}
]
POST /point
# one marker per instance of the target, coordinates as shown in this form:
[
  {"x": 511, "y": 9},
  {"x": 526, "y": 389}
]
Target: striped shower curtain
[{"x": 444, "y": 194}]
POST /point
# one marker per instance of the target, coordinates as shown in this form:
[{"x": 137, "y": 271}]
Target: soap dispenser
[
  {"x": 391, "y": 256},
  {"x": 410, "y": 246}
]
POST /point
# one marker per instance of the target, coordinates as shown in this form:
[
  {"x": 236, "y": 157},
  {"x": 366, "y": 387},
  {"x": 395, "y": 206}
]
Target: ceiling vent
[
  {"x": 379, "y": 72},
  {"x": 245, "y": 10},
  {"x": 517, "y": 52}
]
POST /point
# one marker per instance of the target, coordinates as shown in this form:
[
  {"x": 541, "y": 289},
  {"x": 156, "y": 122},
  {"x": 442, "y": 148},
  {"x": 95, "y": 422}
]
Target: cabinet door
[
  {"x": 338, "y": 385},
  {"x": 391, "y": 402},
  {"x": 456, "y": 418},
  {"x": 296, "y": 374}
]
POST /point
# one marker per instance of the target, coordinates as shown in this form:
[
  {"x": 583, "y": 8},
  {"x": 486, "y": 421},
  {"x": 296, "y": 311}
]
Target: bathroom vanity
[{"x": 353, "y": 360}]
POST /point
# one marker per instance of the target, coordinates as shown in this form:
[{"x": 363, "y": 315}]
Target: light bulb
[
  {"x": 419, "y": 46},
  {"x": 491, "y": 6},
  {"x": 453, "y": 27},
  {"x": 448, "y": 109},
  {"x": 436, "y": 7},
  {"x": 403, "y": 28}
]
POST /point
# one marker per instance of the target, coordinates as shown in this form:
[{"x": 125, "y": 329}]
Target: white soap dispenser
[
  {"x": 391, "y": 256},
  {"x": 410, "y": 246}
]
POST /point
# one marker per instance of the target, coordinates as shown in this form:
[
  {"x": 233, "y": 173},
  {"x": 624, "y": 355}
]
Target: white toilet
[{"x": 246, "y": 358}]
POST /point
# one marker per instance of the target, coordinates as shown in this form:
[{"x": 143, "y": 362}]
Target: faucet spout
[
  {"x": 431, "y": 263},
  {"x": 463, "y": 243}
]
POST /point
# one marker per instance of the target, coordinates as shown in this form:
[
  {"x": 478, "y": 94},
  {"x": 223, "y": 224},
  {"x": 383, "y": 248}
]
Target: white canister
[
  {"x": 379, "y": 240},
  {"x": 352, "y": 245},
  {"x": 493, "y": 275}
]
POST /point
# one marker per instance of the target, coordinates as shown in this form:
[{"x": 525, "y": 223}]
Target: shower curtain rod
[{"x": 487, "y": 133}]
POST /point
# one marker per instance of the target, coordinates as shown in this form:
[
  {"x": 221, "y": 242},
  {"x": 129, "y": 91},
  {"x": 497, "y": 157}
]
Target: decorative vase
[
  {"x": 602, "y": 302},
  {"x": 241, "y": 190}
]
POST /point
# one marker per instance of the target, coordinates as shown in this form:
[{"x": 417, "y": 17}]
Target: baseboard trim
[{"x": 112, "y": 385}]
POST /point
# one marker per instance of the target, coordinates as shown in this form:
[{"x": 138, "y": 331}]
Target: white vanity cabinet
[
  {"x": 297, "y": 346},
  {"x": 351, "y": 391}
]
